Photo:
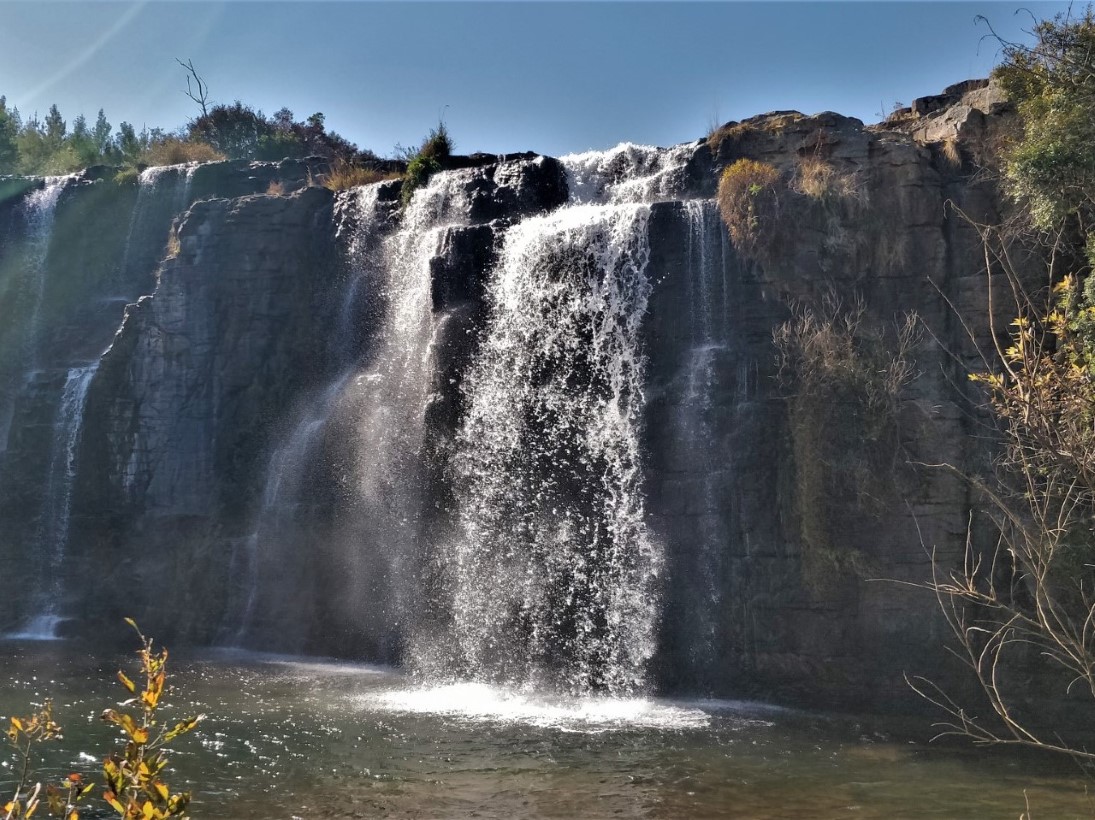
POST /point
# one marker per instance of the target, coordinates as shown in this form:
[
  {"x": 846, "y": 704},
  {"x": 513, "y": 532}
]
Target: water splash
[
  {"x": 552, "y": 573},
  {"x": 481, "y": 703}
]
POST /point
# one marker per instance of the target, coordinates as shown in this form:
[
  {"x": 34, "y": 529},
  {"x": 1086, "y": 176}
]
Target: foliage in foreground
[{"x": 133, "y": 775}]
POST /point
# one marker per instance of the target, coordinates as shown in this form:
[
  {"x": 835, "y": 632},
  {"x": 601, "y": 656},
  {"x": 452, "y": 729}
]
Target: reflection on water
[{"x": 302, "y": 738}]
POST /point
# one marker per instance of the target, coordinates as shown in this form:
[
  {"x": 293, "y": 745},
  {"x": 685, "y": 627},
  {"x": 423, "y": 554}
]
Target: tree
[
  {"x": 101, "y": 134},
  {"x": 55, "y": 127},
  {"x": 198, "y": 90},
  {"x": 128, "y": 143},
  {"x": 9, "y": 131}
]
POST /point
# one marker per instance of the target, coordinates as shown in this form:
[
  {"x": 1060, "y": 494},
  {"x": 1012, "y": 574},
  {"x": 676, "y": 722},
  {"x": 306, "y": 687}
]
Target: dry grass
[
  {"x": 842, "y": 377},
  {"x": 818, "y": 178},
  {"x": 345, "y": 175},
  {"x": 174, "y": 151},
  {"x": 951, "y": 153},
  {"x": 173, "y": 246},
  {"x": 275, "y": 188},
  {"x": 749, "y": 202}
]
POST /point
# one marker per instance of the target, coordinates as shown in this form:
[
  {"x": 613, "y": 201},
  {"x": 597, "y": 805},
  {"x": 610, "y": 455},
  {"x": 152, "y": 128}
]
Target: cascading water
[
  {"x": 553, "y": 574},
  {"x": 552, "y": 577},
  {"x": 379, "y": 400},
  {"x": 694, "y": 425},
  {"x": 39, "y": 207},
  {"x": 53, "y": 532},
  {"x": 163, "y": 192},
  {"x": 37, "y": 210},
  {"x": 628, "y": 173}
]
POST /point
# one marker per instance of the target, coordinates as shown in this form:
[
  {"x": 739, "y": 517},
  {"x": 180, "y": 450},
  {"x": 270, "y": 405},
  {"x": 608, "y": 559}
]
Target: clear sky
[{"x": 552, "y": 77}]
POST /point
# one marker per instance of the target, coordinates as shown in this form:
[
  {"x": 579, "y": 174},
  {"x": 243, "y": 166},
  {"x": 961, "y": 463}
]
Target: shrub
[
  {"x": 749, "y": 201},
  {"x": 419, "y": 170},
  {"x": 345, "y": 175},
  {"x": 127, "y": 176},
  {"x": 174, "y": 151},
  {"x": 842, "y": 377},
  {"x": 275, "y": 188},
  {"x": 427, "y": 160},
  {"x": 819, "y": 179}
]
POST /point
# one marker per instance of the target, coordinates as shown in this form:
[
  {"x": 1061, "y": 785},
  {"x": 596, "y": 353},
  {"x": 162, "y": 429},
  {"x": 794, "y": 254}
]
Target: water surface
[{"x": 289, "y": 738}]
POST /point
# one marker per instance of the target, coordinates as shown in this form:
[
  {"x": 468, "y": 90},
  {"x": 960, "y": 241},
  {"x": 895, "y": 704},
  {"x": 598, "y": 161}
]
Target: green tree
[
  {"x": 101, "y": 135},
  {"x": 128, "y": 143},
  {"x": 55, "y": 127},
  {"x": 82, "y": 143},
  {"x": 9, "y": 132}
]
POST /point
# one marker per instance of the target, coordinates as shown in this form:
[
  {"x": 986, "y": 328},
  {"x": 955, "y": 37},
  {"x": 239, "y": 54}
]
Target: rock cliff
[{"x": 250, "y": 357}]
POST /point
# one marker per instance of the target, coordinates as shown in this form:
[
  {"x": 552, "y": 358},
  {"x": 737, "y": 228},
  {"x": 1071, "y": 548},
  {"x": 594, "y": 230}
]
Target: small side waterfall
[
  {"x": 163, "y": 192},
  {"x": 53, "y": 532},
  {"x": 694, "y": 428},
  {"x": 37, "y": 210},
  {"x": 39, "y": 207}
]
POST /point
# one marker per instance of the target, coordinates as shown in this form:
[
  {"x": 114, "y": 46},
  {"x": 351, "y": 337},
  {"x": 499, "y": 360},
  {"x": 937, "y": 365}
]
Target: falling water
[
  {"x": 381, "y": 395},
  {"x": 693, "y": 430},
  {"x": 153, "y": 212},
  {"x": 628, "y": 173},
  {"x": 38, "y": 209},
  {"x": 552, "y": 575},
  {"x": 53, "y": 532}
]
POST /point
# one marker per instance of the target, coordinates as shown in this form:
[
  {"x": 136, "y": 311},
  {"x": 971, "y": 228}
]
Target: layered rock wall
[{"x": 209, "y": 368}]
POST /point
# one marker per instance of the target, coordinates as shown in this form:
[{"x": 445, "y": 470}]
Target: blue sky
[{"x": 507, "y": 76}]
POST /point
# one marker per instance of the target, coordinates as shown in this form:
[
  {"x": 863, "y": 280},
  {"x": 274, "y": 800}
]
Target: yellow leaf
[
  {"x": 112, "y": 799},
  {"x": 161, "y": 789},
  {"x": 148, "y": 810},
  {"x": 126, "y": 682}
]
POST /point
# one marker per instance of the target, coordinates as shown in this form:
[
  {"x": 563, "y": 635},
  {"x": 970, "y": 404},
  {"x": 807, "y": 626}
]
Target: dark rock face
[
  {"x": 189, "y": 396},
  {"x": 232, "y": 336}
]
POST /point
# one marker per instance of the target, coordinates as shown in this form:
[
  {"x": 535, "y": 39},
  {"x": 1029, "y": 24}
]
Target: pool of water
[{"x": 293, "y": 738}]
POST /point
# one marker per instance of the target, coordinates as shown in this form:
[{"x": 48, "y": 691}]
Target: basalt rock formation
[{"x": 527, "y": 428}]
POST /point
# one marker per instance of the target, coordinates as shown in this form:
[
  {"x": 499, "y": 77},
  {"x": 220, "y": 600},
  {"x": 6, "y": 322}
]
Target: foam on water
[{"x": 479, "y": 702}]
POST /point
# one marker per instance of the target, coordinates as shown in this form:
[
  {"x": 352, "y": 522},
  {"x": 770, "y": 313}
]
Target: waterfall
[
  {"x": 378, "y": 401},
  {"x": 628, "y": 173},
  {"x": 551, "y": 576},
  {"x": 153, "y": 212},
  {"x": 40, "y": 207},
  {"x": 53, "y": 531},
  {"x": 37, "y": 209},
  {"x": 694, "y": 428}
]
